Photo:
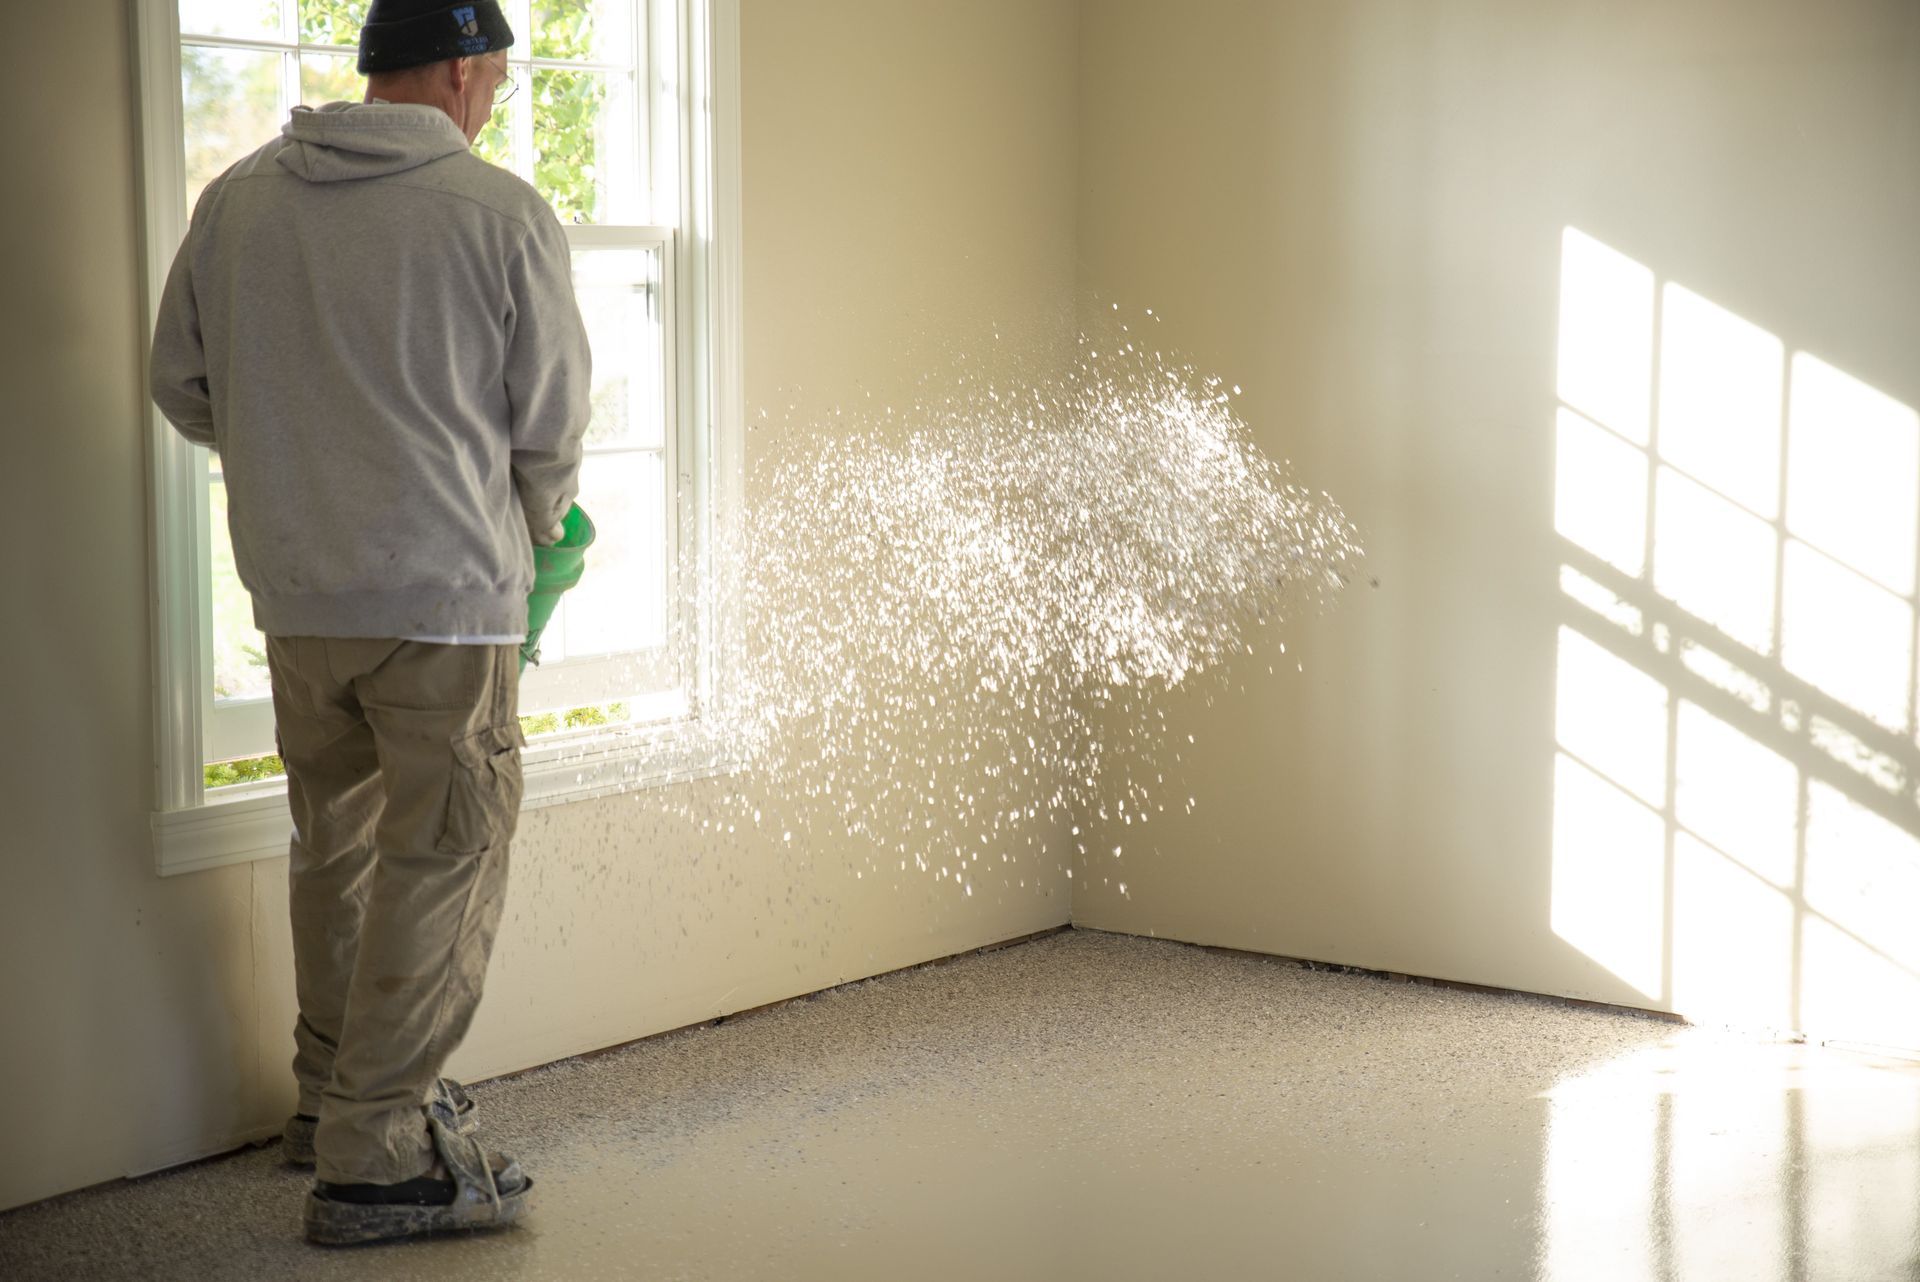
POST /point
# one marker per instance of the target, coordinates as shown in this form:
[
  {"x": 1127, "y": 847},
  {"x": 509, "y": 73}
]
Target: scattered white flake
[{"x": 933, "y": 612}]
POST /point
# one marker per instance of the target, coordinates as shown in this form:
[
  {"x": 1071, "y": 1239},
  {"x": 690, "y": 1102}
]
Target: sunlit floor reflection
[
  {"x": 1709, "y": 1158},
  {"x": 1094, "y": 1106}
]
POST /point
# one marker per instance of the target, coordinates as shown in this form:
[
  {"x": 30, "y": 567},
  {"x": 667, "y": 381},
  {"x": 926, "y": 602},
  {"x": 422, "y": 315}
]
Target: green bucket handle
[{"x": 556, "y": 567}]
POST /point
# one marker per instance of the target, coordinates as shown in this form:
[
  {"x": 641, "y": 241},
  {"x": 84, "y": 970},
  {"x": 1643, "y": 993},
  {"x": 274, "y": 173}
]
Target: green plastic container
[{"x": 555, "y": 569}]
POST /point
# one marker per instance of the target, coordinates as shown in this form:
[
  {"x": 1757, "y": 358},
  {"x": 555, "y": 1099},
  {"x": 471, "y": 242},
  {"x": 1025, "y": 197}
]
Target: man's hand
[{"x": 557, "y": 533}]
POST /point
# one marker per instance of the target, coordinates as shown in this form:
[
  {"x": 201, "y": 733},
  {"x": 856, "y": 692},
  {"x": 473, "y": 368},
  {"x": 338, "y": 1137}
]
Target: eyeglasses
[{"x": 504, "y": 90}]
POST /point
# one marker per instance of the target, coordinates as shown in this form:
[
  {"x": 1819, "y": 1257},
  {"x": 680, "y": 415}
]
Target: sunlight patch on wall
[
  {"x": 1736, "y": 794},
  {"x": 1720, "y": 383},
  {"x": 1612, "y": 716},
  {"x": 1846, "y": 635},
  {"x": 1732, "y": 939},
  {"x": 1853, "y": 987},
  {"x": 1863, "y": 876},
  {"x": 1852, "y": 457},
  {"x": 1606, "y": 335},
  {"x": 1600, "y": 496},
  {"x": 1609, "y": 878},
  {"x": 1714, "y": 560}
]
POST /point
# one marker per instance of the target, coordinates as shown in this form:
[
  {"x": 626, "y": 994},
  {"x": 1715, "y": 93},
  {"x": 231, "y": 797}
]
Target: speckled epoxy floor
[{"x": 1099, "y": 1106}]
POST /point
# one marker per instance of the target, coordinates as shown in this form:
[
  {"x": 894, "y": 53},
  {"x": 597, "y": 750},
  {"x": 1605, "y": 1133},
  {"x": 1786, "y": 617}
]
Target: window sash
[
  {"x": 239, "y": 728},
  {"x": 650, "y": 670},
  {"x": 693, "y": 176}
]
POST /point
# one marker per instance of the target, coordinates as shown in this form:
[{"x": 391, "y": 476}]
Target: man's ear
[{"x": 457, "y": 74}]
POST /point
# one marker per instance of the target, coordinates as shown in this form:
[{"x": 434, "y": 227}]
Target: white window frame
[{"x": 698, "y": 61}]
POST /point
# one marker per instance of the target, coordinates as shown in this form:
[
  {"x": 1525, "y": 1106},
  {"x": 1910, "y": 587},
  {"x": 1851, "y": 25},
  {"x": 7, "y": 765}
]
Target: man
[{"x": 377, "y": 330}]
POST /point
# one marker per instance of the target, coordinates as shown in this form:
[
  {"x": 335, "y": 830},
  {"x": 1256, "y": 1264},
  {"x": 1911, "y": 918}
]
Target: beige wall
[
  {"x": 907, "y": 168},
  {"x": 1356, "y": 211}
]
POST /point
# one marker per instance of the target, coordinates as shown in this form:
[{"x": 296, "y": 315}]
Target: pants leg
[
  {"x": 444, "y": 726},
  {"x": 334, "y": 793}
]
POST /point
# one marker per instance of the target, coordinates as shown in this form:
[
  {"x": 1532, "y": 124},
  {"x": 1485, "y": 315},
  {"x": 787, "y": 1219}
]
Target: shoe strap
[{"x": 467, "y": 1162}]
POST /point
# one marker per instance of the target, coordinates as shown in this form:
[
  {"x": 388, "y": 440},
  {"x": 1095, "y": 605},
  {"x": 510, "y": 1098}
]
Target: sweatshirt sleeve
[
  {"x": 549, "y": 374},
  {"x": 177, "y": 375}
]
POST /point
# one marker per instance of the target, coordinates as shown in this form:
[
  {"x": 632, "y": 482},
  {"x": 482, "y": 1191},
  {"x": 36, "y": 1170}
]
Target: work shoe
[
  {"x": 467, "y": 1188},
  {"x": 448, "y": 1102}
]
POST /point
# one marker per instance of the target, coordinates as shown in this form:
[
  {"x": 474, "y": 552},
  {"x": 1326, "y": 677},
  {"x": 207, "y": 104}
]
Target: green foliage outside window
[
  {"x": 332, "y": 22},
  {"x": 231, "y": 101},
  {"x": 567, "y": 104},
  {"x": 605, "y": 714},
  {"x": 330, "y": 78},
  {"x": 222, "y": 774}
]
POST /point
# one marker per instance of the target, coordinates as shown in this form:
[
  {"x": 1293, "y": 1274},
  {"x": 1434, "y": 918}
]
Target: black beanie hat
[{"x": 411, "y": 33}]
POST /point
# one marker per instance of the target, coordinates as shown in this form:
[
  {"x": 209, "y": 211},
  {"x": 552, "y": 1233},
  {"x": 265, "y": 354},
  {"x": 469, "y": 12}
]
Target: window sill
[{"x": 250, "y": 822}]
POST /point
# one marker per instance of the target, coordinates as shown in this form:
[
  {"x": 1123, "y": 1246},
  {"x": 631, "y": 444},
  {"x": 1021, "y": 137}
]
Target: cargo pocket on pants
[{"x": 483, "y": 803}]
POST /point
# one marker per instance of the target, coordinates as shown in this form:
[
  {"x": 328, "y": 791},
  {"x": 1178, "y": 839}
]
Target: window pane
[
  {"x": 231, "y": 101},
  {"x": 254, "y": 19},
  {"x": 1600, "y": 493},
  {"x": 495, "y": 143},
  {"x": 329, "y": 78},
  {"x": 1851, "y": 456},
  {"x": 620, "y": 302},
  {"x": 1848, "y": 636},
  {"x": 239, "y": 651},
  {"x": 621, "y": 601},
  {"x": 332, "y": 22},
  {"x": 584, "y": 30},
  {"x": 584, "y": 160}
]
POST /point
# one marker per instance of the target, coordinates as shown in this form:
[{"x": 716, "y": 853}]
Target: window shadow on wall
[{"x": 1736, "y": 831}]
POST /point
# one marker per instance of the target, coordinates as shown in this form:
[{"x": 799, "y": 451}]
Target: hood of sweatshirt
[{"x": 344, "y": 140}]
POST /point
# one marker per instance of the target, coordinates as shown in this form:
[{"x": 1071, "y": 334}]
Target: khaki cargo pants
[{"x": 403, "y": 776}]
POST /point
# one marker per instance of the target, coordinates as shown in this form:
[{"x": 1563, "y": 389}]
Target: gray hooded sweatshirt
[{"x": 377, "y": 330}]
